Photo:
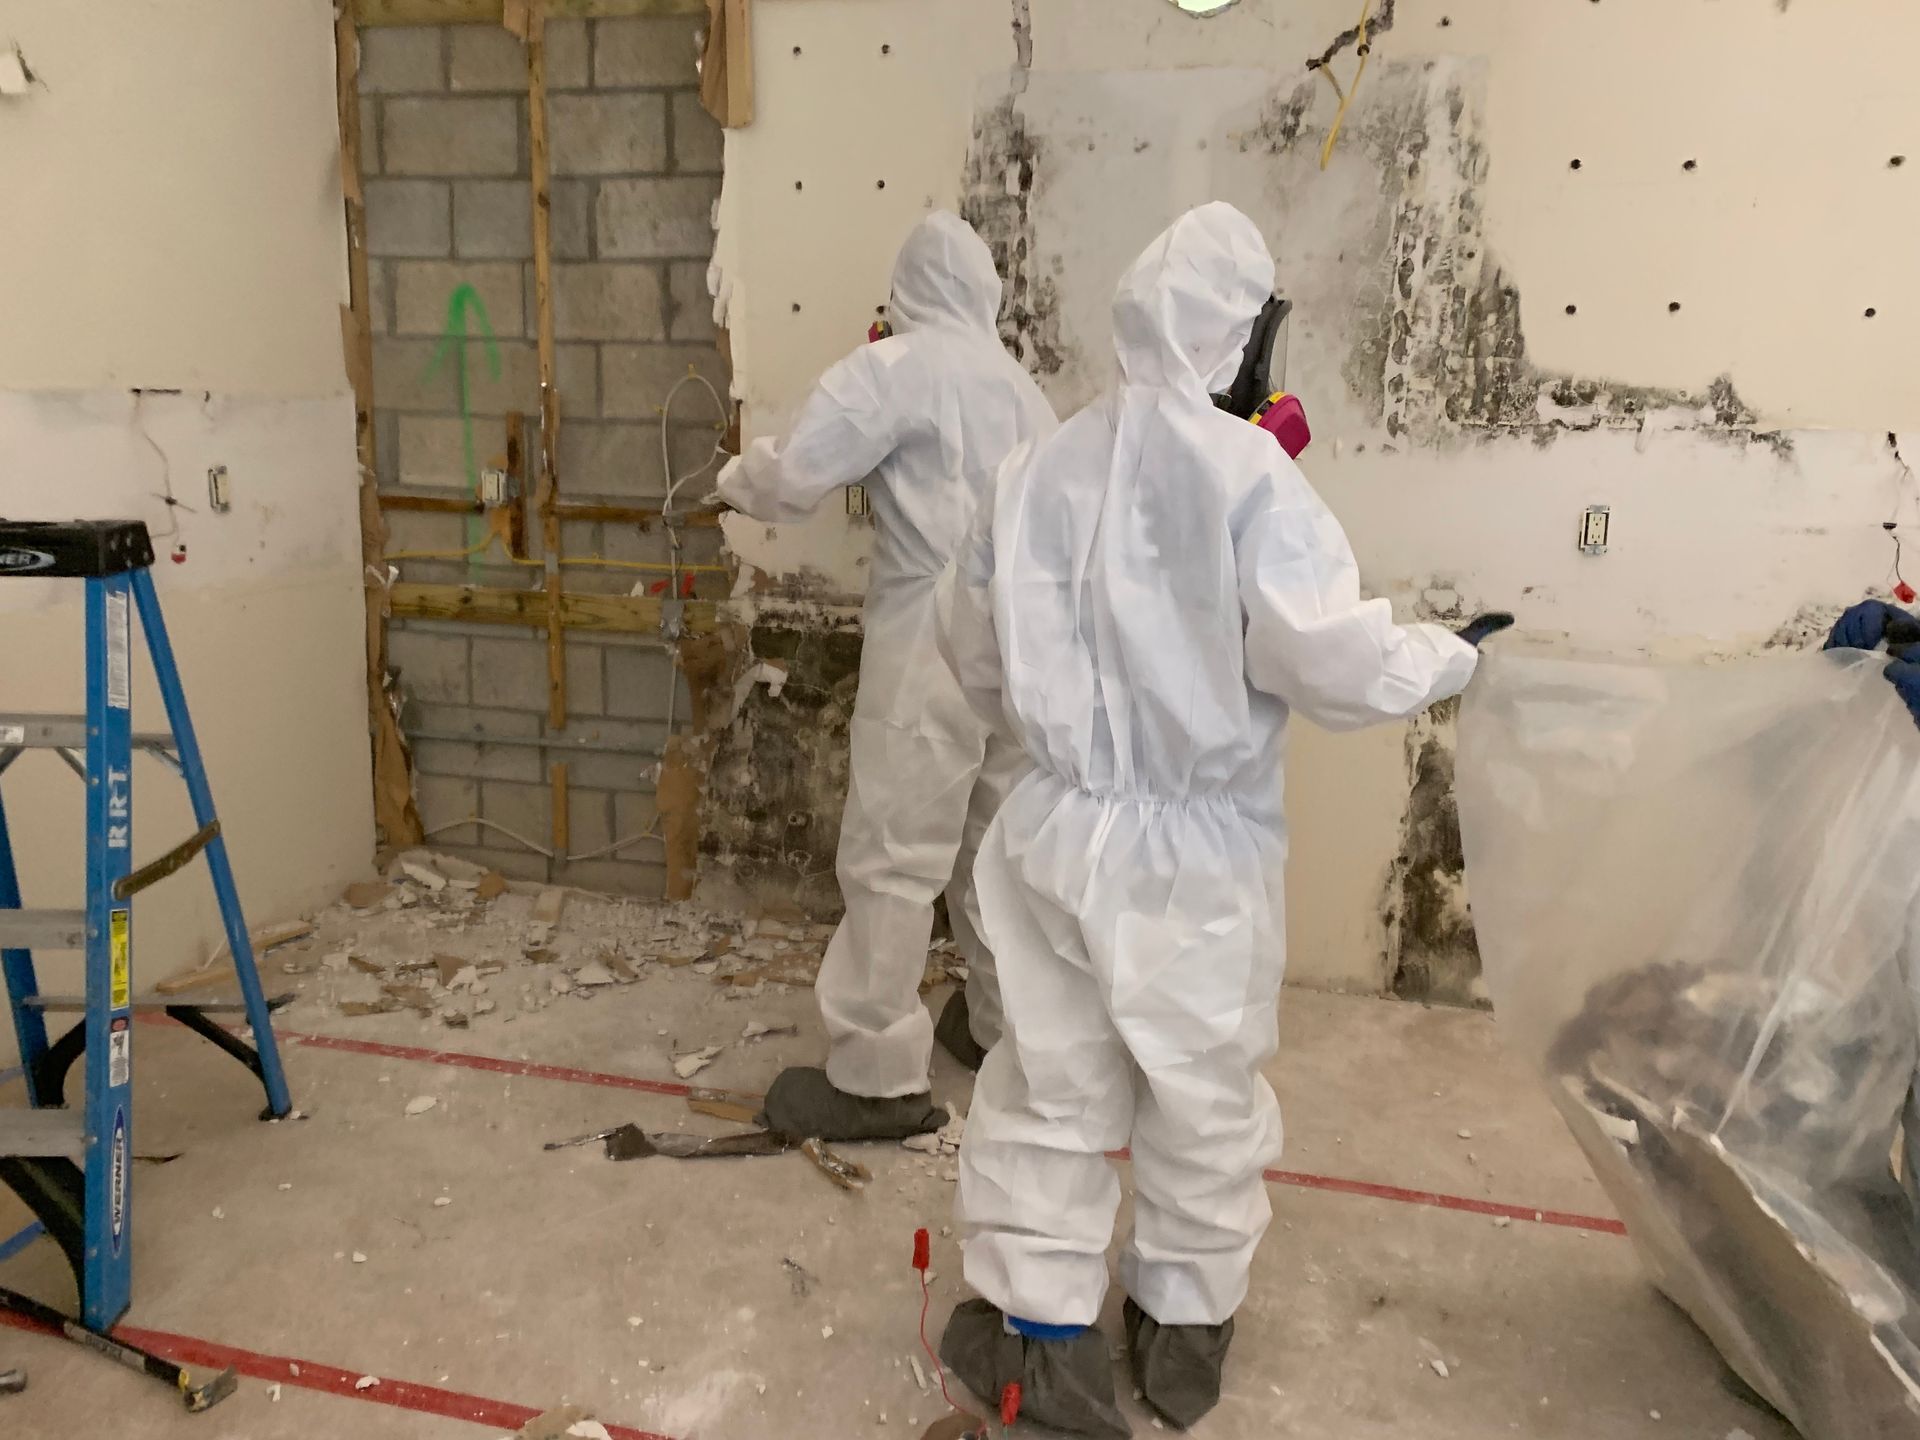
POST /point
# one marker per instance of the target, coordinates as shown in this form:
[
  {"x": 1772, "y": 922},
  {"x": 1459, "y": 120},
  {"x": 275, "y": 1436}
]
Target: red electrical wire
[{"x": 939, "y": 1370}]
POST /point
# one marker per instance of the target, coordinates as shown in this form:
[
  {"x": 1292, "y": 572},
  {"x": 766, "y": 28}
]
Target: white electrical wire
[{"x": 650, "y": 833}]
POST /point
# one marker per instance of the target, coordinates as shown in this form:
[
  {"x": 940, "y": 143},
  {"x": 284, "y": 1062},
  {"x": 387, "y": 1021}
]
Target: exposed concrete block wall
[{"x": 636, "y": 173}]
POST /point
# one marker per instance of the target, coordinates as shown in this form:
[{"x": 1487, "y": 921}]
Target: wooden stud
[
  {"x": 549, "y": 485},
  {"x": 561, "y": 825},
  {"x": 396, "y": 817},
  {"x": 484, "y": 605},
  {"x": 433, "y": 504},
  {"x": 489, "y": 12},
  {"x": 641, "y": 515}
]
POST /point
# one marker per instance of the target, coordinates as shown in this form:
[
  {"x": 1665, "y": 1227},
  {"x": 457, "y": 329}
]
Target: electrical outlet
[
  {"x": 496, "y": 488},
  {"x": 219, "y": 490},
  {"x": 858, "y": 505},
  {"x": 1593, "y": 530}
]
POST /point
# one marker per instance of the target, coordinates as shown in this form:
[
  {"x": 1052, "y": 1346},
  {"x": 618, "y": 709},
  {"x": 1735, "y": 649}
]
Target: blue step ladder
[{"x": 73, "y": 1167}]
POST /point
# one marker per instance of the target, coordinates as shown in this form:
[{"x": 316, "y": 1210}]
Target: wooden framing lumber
[
  {"x": 485, "y": 605},
  {"x": 490, "y": 12},
  {"x": 396, "y": 818}
]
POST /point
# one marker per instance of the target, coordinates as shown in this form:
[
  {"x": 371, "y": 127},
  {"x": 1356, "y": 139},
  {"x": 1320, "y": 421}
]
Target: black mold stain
[
  {"x": 1438, "y": 958},
  {"x": 1446, "y": 352},
  {"x": 1004, "y": 150},
  {"x": 1378, "y": 25},
  {"x": 778, "y": 782}
]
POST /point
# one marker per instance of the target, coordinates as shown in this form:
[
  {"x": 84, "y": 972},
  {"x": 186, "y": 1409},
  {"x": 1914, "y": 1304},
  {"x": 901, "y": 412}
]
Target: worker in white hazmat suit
[
  {"x": 924, "y": 417},
  {"x": 1155, "y": 590}
]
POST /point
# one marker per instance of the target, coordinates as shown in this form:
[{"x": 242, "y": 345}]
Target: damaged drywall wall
[
  {"x": 1488, "y": 338},
  {"x": 778, "y": 778},
  {"x": 175, "y": 246}
]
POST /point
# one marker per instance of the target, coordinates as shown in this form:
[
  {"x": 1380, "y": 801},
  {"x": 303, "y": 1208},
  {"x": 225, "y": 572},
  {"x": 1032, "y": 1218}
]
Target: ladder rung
[
  {"x": 68, "y": 1004},
  {"x": 43, "y": 929},
  {"x": 64, "y": 732},
  {"x": 41, "y": 1133}
]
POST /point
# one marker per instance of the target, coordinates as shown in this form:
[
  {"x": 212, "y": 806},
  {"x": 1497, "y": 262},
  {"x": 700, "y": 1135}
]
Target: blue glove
[
  {"x": 1865, "y": 626},
  {"x": 1481, "y": 627},
  {"x": 1905, "y": 675}
]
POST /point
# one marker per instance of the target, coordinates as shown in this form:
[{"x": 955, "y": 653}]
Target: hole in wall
[
  {"x": 1573, "y": 309},
  {"x": 1691, "y": 165},
  {"x": 796, "y": 307},
  {"x": 1871, "y": 312},
  {"x": 879, "y": 184},
  {"x": 1673, "y": 307},
  {"x": 1573, "y": 164},
  {"x": 886, "y": 49},
  {"x": 799, "y": 184}
]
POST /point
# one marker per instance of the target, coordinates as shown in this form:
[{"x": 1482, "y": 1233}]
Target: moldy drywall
[{"x": 1646, "y": 254}]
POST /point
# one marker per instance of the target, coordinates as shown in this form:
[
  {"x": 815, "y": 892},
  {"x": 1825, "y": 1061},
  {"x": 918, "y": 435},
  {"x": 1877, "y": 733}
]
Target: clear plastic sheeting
[{"x": 1692, "y": 888}]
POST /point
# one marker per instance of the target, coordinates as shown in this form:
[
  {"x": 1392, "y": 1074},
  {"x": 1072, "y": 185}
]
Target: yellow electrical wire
[{"x": 1346, "y": 96}]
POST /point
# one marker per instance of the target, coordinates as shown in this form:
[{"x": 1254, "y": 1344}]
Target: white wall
[
  {"x": 1790, "y": 226},
  {"x": 172, "y": 222}
]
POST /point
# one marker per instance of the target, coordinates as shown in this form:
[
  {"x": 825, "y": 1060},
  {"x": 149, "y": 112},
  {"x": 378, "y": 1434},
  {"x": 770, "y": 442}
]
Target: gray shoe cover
[
  {"x": 1064, "y": 1384},
  {"x": 1177, "y": 1367},
  {"x": 954, "y": 1031},
  {"x": 803, "y": 1105}
]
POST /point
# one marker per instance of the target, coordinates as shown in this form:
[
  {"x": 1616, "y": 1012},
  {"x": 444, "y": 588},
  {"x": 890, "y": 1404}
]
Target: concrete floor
[{"x": 657, "y": 1295}]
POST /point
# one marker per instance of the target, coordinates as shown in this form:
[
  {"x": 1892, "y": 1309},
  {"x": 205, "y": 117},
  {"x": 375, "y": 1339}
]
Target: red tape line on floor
[
  {"x": 1300, "y": 1180},
  {"x": 331, "y": 1380},
  {"x": 1438, "y": 1201}
]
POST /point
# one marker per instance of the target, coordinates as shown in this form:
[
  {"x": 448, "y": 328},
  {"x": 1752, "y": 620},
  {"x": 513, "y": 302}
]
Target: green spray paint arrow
[{"x": 465, "y": 301}]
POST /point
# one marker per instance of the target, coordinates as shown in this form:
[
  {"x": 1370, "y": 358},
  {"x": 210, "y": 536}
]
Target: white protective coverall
[
  {"x": 1155, "y": 589},
  {"x": 924, "y": 417}
]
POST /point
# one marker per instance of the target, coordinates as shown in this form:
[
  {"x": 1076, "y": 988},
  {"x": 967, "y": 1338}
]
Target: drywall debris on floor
[{"x": 448, "y": 957}]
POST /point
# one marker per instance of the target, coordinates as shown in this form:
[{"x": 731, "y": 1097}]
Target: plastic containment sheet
[{"x": 1694, "y": 889}]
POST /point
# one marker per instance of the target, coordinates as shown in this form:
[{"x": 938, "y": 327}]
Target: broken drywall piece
[
  {"x": 423, "y": 874},
  {"x": 758, "y": 1030},
  {"x": 588, "y": 1430},
  {"x": 549, "y": 905},
  {"x": 367, "y": 894},
  {"x": 692, "y": 1062},
  {"x": 593, "y": 973},
  {"x": 420, "y": 1104},
  {"x": 553, "y": 1424},
  {"x": 490, "y": 886}
]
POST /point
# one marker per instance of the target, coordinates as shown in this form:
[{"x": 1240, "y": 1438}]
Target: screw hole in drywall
[
  {"x": 1673, "y": 307},
  {"x": 879, "y": 184},
  {"x": 796, "y": 307},
  {"x": 799, "y": 184},
  {"x": 1691, "y": 165},
  {"x": 1573, "y": 165},
  {"x": 1871, "y": 312},
  {"x": 1894, "y": 162},
  {"x": 886, "y": 49},
  {"x": 1573, "y": 309},
  {"x": 796, "y": 49},
  {"x": 1445, "y": 21}
]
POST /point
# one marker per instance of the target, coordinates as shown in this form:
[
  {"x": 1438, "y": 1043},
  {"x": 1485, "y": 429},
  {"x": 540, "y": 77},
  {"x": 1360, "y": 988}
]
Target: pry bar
[{"x": 197, "y": 1397}]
